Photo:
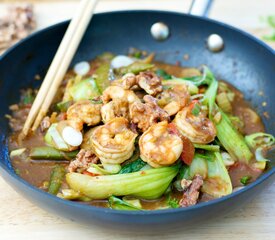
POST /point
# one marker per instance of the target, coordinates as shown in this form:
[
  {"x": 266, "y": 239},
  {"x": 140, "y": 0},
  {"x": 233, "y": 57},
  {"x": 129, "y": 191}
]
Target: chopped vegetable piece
[
  {"x": 132, "y": 166},
  {"x": 172, "y": 202},
  {"x": 63, "y": 106},
  {"x": 232, "y": 140},
  {"x": 101, "y": 76},
  {"x": 56, "y": 179},
  {"x": 218, "y": 182},
  {"x": 223, "y": 102},
  {"x": 85, "y": 89},
  {"x": 28, "y": 97},
  {"x": 227, "y": 159},
  {"x": 118, "y": 204},
  {"x": 135, "y": 68},
  {"x": 244, "y": 180},
  {"x": 17, "y": 152},
  {"x": 198, "y": 167},
  {"x": 50, "y": 153},
  {"x": 106, "y": 170},
  {"x": 70, "y": 194},
  {"x": 259, "y": 140},
  {"x": 54, "y": 139},
  {"x": 213, "y": 148},
  {"x": 163, "y": 74},
  {"x": 148, "y": 184},
  {"x": 211, "y": 92},
  {"x": 133, "y": 201},
  {"x": 196, "y": 109}
]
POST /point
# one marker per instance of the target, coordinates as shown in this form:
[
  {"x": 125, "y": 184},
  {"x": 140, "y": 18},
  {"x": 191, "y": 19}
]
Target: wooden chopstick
[{"x": 60, "y": 64}]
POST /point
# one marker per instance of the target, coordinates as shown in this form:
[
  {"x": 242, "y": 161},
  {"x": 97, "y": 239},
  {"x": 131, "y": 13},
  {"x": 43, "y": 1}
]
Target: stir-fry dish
[{"x": 131, "y": 133}]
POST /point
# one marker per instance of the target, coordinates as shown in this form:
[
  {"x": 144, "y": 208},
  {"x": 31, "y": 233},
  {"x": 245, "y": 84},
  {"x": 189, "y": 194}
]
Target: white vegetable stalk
[{"x": 121, "y": 61}]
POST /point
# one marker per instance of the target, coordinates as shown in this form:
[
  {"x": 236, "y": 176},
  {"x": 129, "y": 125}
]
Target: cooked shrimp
[
  {"x": 113, "y": 142},
  {"x": 117, "y": 102},
  {"x": 174, "y": 98},
  {"x": 84, "y": 112},
  {"x": 113, "y": 109},
  {"x": 148, "y": 113},
  {"x": 195, "y": 126},
  {"x": 118, "y": 93},
  {"x": 159, "y": 146}
]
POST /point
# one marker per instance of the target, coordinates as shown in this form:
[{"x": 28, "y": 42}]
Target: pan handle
[{"x": 200, "y": 7}]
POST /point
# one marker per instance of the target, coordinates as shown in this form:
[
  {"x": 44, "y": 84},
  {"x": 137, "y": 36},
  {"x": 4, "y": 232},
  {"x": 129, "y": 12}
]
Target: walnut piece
[
  {"x": 148, "y": 113},
  {"x": 82, "y": 161}
]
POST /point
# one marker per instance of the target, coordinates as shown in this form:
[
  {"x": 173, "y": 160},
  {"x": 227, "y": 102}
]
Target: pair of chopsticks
[{"x": 59, "y": 65}]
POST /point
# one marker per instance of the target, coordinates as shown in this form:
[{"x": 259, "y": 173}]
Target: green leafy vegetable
[
  {"x": 244, "y": 180},
  {"x": 85, "y": 89},
  {"x": 163, "y": 74},
  {"x": 28, "y": 97},
  {"x": 270, "y": 21},
  {"x": 133, "y": 166},
  {"x": 118, "y": 204},
  {"x": 196, "y": 110},
  {"x": 63, "y": 106},
  {"x": 232, "y": 140},
  {"x": 172, "y": 202},
  {"x": 148, "y": 184}
]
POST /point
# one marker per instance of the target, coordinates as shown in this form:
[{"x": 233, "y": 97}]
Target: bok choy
[
  {"x": 218, "y": 182},
  {"x": 147, "y": 184}
]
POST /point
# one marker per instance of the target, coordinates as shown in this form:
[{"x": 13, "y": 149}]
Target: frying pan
[{"x": 245, "y": 62}]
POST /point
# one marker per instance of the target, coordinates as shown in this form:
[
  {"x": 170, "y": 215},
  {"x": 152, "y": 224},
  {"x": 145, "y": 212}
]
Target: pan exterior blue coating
[{"x": 245, "y": 62}]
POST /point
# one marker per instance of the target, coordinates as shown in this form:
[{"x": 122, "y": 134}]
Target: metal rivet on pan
[
  {"x": 215, "y": 43},
  {"x": 160, "y": 31}
]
